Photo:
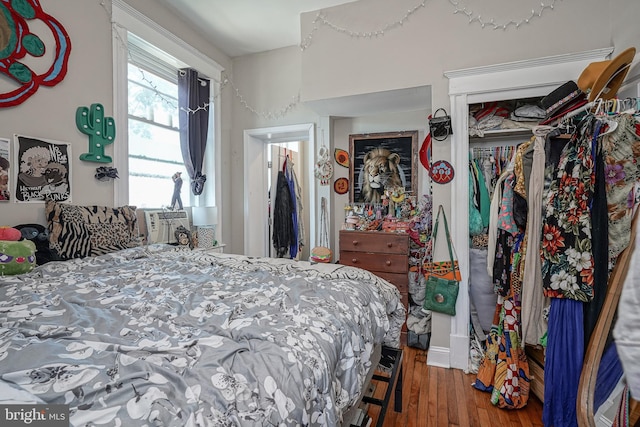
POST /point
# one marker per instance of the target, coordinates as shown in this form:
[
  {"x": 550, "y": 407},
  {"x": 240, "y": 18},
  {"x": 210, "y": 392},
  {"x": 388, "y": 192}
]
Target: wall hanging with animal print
[{"x": 382, "y": 161}]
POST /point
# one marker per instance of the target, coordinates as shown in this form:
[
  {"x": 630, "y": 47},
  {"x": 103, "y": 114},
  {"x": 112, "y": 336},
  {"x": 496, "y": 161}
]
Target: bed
[{"x": 165, "y": 335}]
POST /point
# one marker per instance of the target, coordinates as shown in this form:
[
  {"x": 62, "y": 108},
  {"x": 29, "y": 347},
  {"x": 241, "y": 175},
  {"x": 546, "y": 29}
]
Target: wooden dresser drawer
[
  {"x": 384, "y": 254},
  {"x": 386, "y": 263},
  {"x": 375, "y": 242},
  {"x": 400, "y": 281}
]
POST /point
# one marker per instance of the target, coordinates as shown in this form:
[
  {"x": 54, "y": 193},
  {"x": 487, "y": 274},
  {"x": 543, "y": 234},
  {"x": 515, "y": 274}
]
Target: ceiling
[{"x": 241, "y": 27}]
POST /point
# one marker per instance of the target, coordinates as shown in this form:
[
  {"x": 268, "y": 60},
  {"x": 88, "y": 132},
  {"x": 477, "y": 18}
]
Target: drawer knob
[
  {"x": 389, "y": 244},
  {"x": 354, "y": 260},
  {"x": 355, "y": 243},
  {"x": 388, "y": 262}
]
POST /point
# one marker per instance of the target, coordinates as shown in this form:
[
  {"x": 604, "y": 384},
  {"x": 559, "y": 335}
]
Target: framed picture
[
  {"x": 5, "y": 173},
  {"x": 380, "y": 161},
  {"x": 43, "y": 170}
]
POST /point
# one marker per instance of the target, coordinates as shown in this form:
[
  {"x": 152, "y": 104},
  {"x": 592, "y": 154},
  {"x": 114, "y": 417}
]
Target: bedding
[
  {"x": 162, "y": 335},
  {"x": 82, "y": 231}
]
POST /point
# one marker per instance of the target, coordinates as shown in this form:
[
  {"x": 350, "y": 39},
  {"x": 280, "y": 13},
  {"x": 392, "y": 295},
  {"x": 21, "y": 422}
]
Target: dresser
[{"x": 384, "y": 254}]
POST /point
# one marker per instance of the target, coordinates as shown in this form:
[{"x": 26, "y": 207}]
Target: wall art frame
[
  {"x": 5, "y": 170},
  {"x": 389, "y": 157},
  {"x": 42, "y": 170}
]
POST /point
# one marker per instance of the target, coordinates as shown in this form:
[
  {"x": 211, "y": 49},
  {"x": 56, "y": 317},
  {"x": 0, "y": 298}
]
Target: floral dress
[
  {"x": 622, "y": 154},
  {"x": 566, "y": 251}
]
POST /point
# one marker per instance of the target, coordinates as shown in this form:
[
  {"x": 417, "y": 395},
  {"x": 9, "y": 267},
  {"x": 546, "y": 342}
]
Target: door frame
[{"x": 256, "y": 141}]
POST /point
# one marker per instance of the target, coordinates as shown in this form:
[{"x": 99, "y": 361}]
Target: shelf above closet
[{"x": 499, "y": 134}]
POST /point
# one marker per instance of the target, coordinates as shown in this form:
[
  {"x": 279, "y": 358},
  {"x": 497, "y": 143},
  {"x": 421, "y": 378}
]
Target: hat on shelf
[
  {"x": 603, "y": 79},
  {"x": 562, "y": 100}
]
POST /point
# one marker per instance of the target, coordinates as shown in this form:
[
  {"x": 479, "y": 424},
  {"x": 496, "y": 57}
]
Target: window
[
  {"x": 154, "y": 140},
  {"x": 147, "y": 58},
  {"x": 154, "y": 136}
]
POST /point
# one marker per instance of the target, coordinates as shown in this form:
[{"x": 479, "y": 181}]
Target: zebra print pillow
[{"x": 81, "y": 231}]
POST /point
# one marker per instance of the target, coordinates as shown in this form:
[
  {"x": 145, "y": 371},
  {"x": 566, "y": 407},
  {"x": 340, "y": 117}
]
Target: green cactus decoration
[{"x": 101, "y": 131}]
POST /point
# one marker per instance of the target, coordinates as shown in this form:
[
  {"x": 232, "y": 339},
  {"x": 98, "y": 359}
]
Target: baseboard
[
  {"x": 459, "y": 358},
  {"x": 438, "y": 356}
]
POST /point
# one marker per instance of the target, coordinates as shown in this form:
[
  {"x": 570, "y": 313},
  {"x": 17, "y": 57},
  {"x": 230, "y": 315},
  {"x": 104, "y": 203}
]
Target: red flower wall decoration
[{"x": 17, "y": 40}]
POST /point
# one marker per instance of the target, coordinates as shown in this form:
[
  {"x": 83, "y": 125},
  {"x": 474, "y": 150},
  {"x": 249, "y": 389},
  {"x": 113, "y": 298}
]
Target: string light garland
[
  {"x": 491, "y": 23},
  {"x": 295, "y": 100},
  {"x": 321, "y": 19}
]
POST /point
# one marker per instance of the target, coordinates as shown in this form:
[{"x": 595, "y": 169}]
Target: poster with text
[
  {"x": 43, "y": 170},
  {"x": 5, "y": 173}
]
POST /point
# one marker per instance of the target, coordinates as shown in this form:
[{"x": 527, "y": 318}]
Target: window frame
[{"x": 124, "y": 20}]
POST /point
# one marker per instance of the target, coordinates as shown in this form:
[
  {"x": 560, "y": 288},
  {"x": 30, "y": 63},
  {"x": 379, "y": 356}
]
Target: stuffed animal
[
  {"x": 39, "y": 235},
  {"x": 10, "y": 234},
  {"x": 17, "y": 257}
]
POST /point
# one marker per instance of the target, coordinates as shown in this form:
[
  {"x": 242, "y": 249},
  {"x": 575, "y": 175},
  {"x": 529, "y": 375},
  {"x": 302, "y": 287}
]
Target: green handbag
[{"x": 441, "y": 294}]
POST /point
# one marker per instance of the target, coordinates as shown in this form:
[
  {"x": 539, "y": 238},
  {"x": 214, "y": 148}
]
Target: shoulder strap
[{"x": 434, "y": 234}]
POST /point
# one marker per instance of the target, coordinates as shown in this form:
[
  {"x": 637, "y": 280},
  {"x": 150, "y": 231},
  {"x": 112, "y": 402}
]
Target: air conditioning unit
[{"x": 162, "y": 224}]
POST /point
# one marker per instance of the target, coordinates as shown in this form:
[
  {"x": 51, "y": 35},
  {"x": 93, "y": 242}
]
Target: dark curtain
[{"x": 193, "y": 103}]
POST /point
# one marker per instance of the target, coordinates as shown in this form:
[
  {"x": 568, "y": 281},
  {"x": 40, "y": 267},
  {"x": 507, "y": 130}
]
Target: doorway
[{"x": 257, "y": 147}]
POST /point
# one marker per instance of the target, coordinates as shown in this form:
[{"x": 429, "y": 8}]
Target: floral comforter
[{"x": 161, "y": 335}]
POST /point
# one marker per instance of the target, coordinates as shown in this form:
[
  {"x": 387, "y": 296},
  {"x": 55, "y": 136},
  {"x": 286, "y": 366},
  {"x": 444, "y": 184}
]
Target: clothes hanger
[
  {"x": 611, "y": 107},
  {"x": 612, "y": 126}
]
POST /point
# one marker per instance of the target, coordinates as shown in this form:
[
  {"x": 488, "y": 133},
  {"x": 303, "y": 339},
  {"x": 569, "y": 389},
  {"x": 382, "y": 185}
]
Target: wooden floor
[{"x": 442, "y": 397}]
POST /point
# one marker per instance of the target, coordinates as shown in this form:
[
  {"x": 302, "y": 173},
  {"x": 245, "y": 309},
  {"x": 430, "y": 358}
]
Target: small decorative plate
[
  {"x": 341, "y": 185},
  {"x": 442, "y": 172},
  {"x": 342, "y": 157}
]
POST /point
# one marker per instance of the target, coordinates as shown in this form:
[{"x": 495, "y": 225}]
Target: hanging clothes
[
  {"x": 283, "y": 234},
  {"x": 626, "y": 330},
  {"x": 494, "y": 214},
  {"x": 475, "y": 217},
  {"x": 567, "y": 259},
  {"x": 534, "y": 326},
  {"x": 600, "y": 244},
  {"x": 567, "y": 269},
  {"x": 504, "y": 369},
  {"x": 485, "y": 198},
  {"x": 563, "y": 363},
  {"x": 622, "y": 172},
  {"x": 505, "y": 239},
  {"x": 297, "y": 217}
]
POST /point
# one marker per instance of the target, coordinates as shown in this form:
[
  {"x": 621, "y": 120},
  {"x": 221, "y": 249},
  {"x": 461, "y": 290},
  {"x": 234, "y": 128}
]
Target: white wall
[
  {"x": 50, "y": 112},
  {"x": 434, "y": 40}
]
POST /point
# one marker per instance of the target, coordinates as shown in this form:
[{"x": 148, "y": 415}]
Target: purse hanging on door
[{"x": 442, "y": 278}]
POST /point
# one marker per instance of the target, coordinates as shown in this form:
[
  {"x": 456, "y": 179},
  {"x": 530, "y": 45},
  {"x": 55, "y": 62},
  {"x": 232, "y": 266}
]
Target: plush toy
[
  {"x": 10, "y": 234},
  {"x": 183, "y": 236},
  {"x": 39, "y": 235},
  {"x": 17, "y": 257}
]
